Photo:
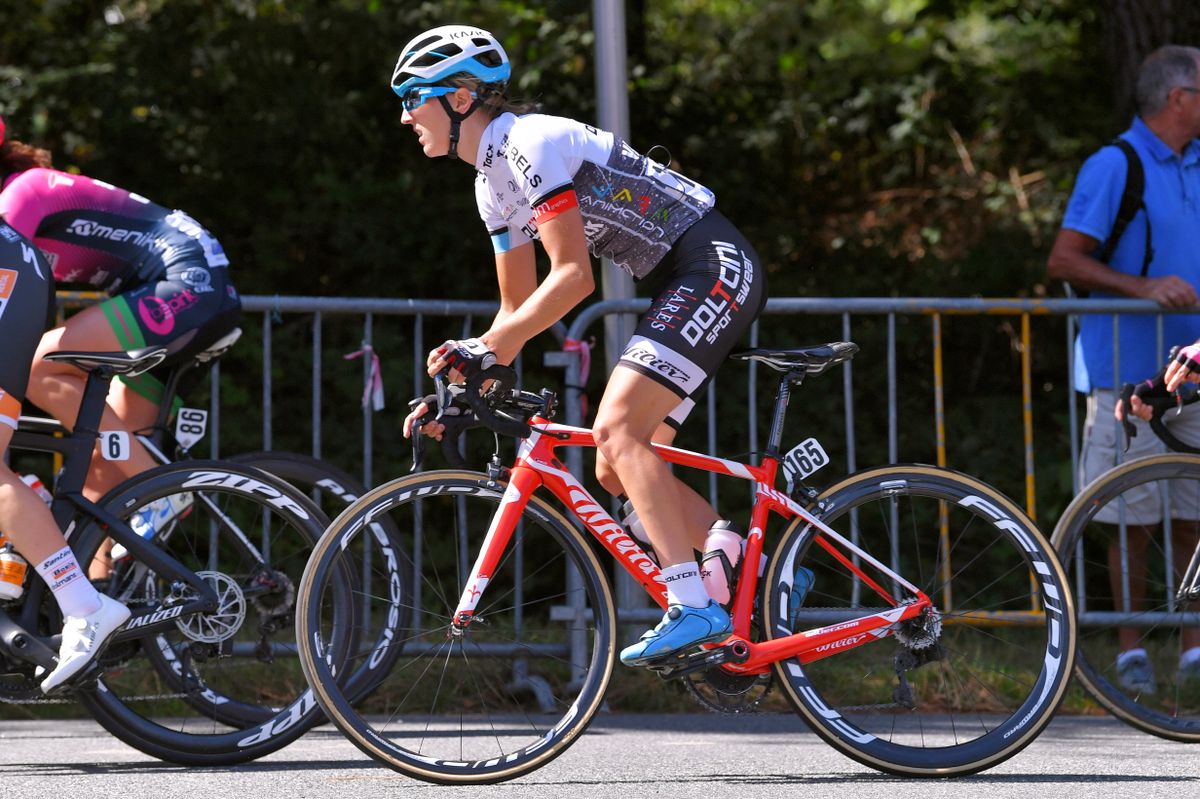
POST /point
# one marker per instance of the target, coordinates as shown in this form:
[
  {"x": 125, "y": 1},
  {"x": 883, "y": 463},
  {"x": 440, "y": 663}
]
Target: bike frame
[{"x": 537, "y": 465}]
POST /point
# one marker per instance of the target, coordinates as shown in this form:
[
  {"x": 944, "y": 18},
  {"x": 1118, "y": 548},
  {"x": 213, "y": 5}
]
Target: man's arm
[{"x": 1071, "y": 260}]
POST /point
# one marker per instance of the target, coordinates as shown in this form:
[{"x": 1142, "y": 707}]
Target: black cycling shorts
[
  {"x": 26, "y": 312},
  {"x": 713, "y": 290},
  {"x": 189, "y": 296}
]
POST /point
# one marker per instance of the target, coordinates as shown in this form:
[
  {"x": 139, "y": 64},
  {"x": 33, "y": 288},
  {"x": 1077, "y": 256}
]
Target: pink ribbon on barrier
[
  {"x": 373, "y": 385},
  {"x": 584, "y": 349}
]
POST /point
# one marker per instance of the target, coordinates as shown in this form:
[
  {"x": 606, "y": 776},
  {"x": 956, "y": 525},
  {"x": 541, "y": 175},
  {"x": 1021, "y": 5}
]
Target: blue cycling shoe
[
  {"x": 801, "y": 583},
  {"x": 681, "y": 628}
]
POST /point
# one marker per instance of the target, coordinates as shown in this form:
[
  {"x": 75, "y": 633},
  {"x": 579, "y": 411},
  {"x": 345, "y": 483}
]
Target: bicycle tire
[
  {"x": 985, "y": 692},
  {"x": 460, "y": 709},
  {"x": 214, "y": 702},
  {"x": 1172, "y": 710},
  {"x": 334, "y": 489}
]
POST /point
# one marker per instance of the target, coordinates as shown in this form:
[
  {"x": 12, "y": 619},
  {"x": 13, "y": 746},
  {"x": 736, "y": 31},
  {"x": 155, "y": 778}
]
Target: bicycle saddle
[
  {"x": 130, "y": 362},
  {"x": 814, "y": 360}
]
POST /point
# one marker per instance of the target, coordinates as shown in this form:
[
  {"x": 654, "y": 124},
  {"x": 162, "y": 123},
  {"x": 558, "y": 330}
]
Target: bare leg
[
  {"x": 631, "y": 411},
  {"x": 24, "y": 518},
  {"x": 698, "y": 513},
  {"x": 58, "y": 389}
]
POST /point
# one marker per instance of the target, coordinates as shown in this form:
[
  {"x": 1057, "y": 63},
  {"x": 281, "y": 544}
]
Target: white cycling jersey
[{"x": 533, "y": 167}]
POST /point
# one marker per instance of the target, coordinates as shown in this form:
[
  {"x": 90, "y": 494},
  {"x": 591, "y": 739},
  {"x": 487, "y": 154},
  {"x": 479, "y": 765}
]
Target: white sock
[
  {"x": 684, "y": 586},
  {"x": 74, "y": 594},
  {"x": 1189, "y": 657}
]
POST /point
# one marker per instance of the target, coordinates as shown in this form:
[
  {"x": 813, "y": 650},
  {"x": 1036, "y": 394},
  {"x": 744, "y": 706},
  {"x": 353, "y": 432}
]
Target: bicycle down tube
[{"x": 537, "y": 465}]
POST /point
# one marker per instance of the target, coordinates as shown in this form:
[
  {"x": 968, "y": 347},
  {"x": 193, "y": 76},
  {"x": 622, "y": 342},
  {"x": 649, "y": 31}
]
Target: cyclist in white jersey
[{"x": 574, "y": 188}]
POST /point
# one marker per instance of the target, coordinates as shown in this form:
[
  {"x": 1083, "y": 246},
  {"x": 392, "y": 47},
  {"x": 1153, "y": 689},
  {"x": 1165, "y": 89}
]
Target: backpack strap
[{"x": 1131, "y": 202}]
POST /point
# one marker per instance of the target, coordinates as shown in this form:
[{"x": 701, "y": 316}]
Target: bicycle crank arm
[
  {"x": 20, "y": 644},
  {"x": 673, "y": 666}
]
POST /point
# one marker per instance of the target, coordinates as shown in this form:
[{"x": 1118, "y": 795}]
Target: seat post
[{"x": 782, "y": 396}]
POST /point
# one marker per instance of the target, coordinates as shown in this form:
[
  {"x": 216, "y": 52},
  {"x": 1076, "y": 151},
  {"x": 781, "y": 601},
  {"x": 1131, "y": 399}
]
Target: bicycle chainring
[{"x": 719, "y": 690}]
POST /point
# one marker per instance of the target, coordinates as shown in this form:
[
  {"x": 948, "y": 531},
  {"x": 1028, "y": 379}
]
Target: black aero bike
[
  {"x": 1130, "y": 541},
  {"x": 936, "y": 639},
  {"x": 204, "y": 672}
]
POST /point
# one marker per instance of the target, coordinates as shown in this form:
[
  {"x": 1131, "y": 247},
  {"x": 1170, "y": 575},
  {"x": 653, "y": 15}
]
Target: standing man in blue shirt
[{"x": 1156, "y": 257}]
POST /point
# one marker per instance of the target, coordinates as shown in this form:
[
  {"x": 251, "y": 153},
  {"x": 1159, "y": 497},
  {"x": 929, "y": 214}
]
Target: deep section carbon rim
[
  {"x": 226, "y": 686},
  {"x": 973, "y": 684},
  {"x": 506, "y": 695},
  {"x": 1126, "y": 541}
]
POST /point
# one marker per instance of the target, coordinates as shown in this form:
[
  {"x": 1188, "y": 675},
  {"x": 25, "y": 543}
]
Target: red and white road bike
[{"x": 937, "y": 638}]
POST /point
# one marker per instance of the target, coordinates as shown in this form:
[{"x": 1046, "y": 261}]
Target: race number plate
[
  {"x": 114, "y": 445},
  {"x": 190, "y": 425},
  {"x": 804, "y": 459}
]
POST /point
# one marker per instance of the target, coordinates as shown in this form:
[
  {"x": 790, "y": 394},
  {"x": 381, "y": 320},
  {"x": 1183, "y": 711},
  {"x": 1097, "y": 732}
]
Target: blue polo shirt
[{"x": 1172, "y": 199}]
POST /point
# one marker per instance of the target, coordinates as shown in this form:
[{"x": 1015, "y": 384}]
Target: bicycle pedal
[{"x": 678, "y": 664}]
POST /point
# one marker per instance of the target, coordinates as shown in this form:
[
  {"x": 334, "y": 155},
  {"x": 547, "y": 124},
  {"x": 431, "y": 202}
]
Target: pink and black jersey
[
  {"x": 533, "y": 167},
  {"x": 93, "y": 232}
]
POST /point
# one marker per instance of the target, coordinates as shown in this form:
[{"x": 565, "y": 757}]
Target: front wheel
[
  {"x": 494, "y": 701},
  {"x": 980, "y": 678},
  {"x": 1127, "y": 540}
]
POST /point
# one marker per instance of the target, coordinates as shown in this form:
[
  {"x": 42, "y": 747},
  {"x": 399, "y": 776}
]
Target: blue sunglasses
[{"x": 415, "y": 97}]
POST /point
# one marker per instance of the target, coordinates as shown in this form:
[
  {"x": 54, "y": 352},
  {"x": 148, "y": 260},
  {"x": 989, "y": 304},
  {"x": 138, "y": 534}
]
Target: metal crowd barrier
[{"x": 631, "y": 605}]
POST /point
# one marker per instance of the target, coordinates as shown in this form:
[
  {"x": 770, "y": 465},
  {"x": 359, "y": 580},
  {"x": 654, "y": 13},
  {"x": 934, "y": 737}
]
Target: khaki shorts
[{"x": 1101, "y": 438}]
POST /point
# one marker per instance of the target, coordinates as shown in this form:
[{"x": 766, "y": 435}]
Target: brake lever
[{"x": 1127, "y": 407}]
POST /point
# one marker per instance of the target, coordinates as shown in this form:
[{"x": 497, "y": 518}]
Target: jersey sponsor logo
[
  {"x": 489, "y": 156},
  {"x": 86, "y": 228},
  {"x": 724, "y": 299},
  {"x": 671, "y": 308},
  {"x": 523, "y": 165},
  {"x": 197, "y": 279},
  {"x": 57, "y": 179},
  {"x": 555, "y": 205},
  {"x": 619, "y": 213},
  {"x": 8, "y": 282},
  {"x": 9, "y": 234},
  {"x": 662, "y": 360},
  {"x": 159, "y": 314}
]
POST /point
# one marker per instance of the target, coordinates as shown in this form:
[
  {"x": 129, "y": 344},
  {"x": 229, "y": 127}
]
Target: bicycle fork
[{"x": 522, "y": 483}]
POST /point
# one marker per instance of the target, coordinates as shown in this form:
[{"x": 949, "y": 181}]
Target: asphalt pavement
[{"x": 620, "y": 756}]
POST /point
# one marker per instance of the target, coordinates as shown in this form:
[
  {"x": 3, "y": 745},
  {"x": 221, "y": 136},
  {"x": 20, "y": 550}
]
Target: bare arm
[
  {"x": 523, "y": 313},
  {"x": 516, "y": 275},
  {"x": 1071, "y": 260}
]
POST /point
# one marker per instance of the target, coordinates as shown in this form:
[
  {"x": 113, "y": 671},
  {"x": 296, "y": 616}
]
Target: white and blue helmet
[{"x": 441, "y": 53}]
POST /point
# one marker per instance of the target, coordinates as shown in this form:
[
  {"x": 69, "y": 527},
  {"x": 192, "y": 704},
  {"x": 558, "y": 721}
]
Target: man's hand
[
  {"x": 432, "y": 429},
  {"x": 1136, "y": 406},
  {"x": 1171, "y": 291}
]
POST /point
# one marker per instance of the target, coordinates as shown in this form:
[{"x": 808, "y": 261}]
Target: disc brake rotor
[{"x": 222, "y": 623}]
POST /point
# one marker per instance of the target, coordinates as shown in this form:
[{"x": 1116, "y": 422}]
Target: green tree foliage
[{"x": 868, "y": 147}]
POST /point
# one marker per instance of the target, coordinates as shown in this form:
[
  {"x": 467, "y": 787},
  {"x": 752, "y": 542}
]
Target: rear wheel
[
  {"x": 221, "y": 687},
  {"x": 974, "y": 683},
  {"x": 488, "y": 703}
]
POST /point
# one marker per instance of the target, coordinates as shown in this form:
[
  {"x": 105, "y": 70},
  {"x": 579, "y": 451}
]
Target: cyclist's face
[
  {"x": 432, "y": 126},
  {"x": 431, "y": 123}
]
